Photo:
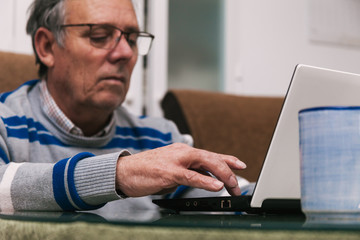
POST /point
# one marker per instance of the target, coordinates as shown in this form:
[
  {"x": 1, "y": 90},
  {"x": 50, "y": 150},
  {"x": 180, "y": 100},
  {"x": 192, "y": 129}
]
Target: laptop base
[{"x": 230, "y": 204}]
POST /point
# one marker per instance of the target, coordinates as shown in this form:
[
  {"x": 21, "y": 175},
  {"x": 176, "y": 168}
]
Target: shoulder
[
  {"x": 15, "y": 107},
  {"x": 18, "y": 99}
]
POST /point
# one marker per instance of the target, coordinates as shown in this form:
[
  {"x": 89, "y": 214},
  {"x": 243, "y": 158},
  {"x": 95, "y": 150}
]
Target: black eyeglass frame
[{"x": 126, "y": 34}]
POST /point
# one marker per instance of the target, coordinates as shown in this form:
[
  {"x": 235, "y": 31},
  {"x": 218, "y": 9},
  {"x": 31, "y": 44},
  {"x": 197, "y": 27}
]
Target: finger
[
  {"x": 233, "y": 162},
  {"x": 197, "y": 180},
  {"x": 220, "y": 166},
  {"x": 235, "y": 190}
]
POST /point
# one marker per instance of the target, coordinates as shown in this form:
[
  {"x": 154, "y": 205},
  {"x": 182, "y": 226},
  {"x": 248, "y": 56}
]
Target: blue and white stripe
[
  {"x": 138, "y": 138},
  {"x": 27, "y": 129},
  {"x": 65, "y": 193},
  {"x": 5, "y": 95}
]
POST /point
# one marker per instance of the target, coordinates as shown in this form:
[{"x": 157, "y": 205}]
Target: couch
[
  {"x": 241, "y": 126},
  {"x": 16, "y": 69}
]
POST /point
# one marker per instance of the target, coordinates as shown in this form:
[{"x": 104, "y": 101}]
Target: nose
[{"x": 122, "y": 50}]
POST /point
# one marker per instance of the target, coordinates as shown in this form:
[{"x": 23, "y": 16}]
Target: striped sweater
[{"x": 44, "y": 168}]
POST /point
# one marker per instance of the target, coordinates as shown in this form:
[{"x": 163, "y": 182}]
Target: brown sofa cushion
[
  {"x": 15, "y": 69},
  {"x": 237, "y": 125}
]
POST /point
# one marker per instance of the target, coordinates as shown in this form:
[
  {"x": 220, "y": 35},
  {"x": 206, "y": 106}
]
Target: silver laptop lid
[{"x": 310, "y": 87}]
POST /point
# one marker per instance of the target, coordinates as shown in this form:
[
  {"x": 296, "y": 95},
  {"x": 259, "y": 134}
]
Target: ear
[{"x": 44, "y": 44}]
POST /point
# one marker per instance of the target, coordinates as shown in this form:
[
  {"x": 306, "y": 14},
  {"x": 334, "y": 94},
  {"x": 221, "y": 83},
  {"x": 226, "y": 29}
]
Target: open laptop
[{"x": 278, "y": 186}]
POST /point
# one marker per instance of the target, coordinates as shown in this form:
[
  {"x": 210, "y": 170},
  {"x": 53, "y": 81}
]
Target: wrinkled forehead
[{"x": 120, "y": 13}]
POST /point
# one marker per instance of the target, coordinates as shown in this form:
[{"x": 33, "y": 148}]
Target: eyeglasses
[{"x": 107, "y": 37}]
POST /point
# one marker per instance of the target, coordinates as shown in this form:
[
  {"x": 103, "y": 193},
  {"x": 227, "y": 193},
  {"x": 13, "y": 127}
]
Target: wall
[
  {"x": 266, "y": 39},
  {"x": 13, "y": 16}
]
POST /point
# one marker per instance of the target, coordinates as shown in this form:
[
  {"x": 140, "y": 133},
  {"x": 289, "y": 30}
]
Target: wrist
[{"x": 119, "y": 176}]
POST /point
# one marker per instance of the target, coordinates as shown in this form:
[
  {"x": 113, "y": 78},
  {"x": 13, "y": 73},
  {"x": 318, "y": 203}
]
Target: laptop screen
[{"x": 309, "y": 87}]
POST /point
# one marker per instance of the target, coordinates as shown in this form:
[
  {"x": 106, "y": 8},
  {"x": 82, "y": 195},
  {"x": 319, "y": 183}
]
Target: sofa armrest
[{"x": 16, "y": 69}]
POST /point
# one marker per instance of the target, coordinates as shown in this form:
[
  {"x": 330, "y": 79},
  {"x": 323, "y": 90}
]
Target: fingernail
[
  {"x": 218, "y": 184},
  {"x": 240, "y": 164}
]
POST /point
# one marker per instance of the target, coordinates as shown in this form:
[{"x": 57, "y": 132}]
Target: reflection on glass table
[{"x": 188, "y": 220}]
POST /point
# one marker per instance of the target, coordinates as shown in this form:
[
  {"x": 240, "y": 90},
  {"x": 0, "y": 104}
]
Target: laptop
[{"x": 277, "y": 189}]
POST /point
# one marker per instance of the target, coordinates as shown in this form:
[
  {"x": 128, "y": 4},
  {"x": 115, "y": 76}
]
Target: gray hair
[{"x": 49, "y": 14}]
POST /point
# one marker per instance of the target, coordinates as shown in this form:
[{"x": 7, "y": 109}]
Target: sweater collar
[{"x": 56, "y": 115}]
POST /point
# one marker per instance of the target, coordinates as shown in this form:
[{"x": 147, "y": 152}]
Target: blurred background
[{"x": 244, "y": 47}]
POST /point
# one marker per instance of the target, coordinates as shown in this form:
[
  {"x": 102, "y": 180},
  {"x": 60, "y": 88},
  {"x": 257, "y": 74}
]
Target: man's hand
[{"x": 162, "y": 170}]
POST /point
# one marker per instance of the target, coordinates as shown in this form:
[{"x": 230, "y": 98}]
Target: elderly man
[{"x": 67, "y": 144}]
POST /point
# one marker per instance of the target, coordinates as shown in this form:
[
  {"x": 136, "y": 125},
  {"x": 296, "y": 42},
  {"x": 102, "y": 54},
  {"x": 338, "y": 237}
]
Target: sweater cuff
[{"x": 95, "y": 178}]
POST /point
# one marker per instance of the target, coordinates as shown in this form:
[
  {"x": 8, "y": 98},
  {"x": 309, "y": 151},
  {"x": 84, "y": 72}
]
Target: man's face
[{"x": 84, "y": 78}]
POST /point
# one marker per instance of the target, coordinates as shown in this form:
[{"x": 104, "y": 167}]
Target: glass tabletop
[{"x": 190, "y": 220}]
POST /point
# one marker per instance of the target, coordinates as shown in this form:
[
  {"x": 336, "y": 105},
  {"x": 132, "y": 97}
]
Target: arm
[
  {"x": 86, "y": 182},
  {"x": 64, "y": 186},
  {"x": 162, "y": 170}
]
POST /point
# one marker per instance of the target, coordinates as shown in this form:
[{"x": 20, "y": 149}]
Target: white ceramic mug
[{"x": 330, "y": 163}]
